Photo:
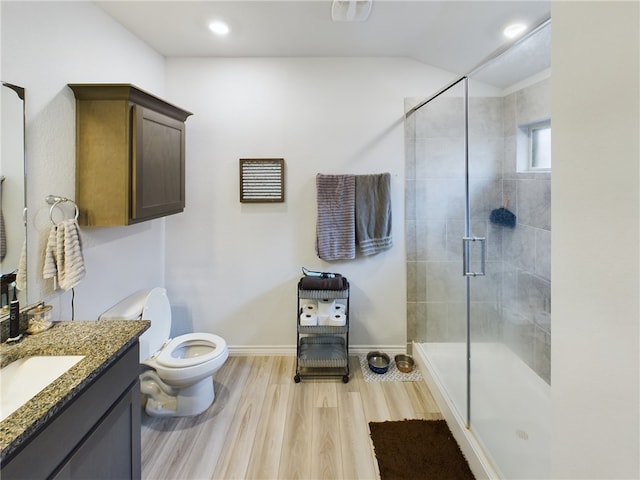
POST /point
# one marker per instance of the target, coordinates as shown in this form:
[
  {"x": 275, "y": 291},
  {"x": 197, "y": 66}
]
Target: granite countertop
[{"x": 101, "y": 342}]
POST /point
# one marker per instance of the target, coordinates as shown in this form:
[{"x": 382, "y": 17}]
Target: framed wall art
[{"x": 261, "y": 180}]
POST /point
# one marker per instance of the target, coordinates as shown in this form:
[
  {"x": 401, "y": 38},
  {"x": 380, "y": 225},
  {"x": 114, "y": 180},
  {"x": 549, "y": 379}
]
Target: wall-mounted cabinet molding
[{"x": 130, "y": 155}]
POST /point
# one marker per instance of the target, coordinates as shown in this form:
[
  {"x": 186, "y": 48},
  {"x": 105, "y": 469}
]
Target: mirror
[{"x": 13, "y": 234}]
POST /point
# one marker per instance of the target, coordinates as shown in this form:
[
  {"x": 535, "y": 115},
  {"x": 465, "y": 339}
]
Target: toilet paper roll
[
  {"x": 326, "y": 307},
  {"x": 308, "y": 319},
  {"x": 309, "y": 307},
  {"x": 341, "y": 308},
  {"x": 337, "y": 320}
]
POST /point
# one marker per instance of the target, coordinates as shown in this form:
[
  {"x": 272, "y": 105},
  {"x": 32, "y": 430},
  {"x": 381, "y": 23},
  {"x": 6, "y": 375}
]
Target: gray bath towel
[
  {"x": 335, "y": 228},
  {"x": 373, "y": 213}
]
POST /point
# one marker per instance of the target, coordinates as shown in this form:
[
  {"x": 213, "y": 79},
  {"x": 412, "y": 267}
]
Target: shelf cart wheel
[
  {"x": 345, "y": 379},
  {"x": 296, "y": 379}
]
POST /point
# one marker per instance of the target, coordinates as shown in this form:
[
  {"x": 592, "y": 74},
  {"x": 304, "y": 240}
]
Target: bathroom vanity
[{"x": 86, "y": 423}]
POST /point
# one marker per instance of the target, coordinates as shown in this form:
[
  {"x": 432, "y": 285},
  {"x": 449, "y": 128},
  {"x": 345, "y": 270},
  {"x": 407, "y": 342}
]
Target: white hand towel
[
  {"x": 63, "y": 260},
  {"x": 50, "y": 254},
  {"x": 21, "y": 275}
]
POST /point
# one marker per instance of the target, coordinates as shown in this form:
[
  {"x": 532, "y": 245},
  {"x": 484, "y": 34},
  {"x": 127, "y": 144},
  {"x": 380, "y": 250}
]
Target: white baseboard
[
  {"x": 290, "y": 350},
  {"x": 262, "y": 350}
]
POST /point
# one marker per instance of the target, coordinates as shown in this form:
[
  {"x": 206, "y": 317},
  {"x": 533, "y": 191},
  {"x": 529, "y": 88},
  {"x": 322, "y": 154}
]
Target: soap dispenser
[{"x": 14, "y": 320}]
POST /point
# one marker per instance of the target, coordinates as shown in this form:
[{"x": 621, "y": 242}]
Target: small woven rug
[{"x": 392, "y": 374}]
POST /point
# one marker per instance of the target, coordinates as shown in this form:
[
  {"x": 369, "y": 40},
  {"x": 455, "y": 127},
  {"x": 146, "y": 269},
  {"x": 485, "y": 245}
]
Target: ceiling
[{"x": 452, "y": 35}]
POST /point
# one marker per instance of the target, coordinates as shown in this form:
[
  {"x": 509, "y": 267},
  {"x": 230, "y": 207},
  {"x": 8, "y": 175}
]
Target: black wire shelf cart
[{"x": 323, "y": 350}]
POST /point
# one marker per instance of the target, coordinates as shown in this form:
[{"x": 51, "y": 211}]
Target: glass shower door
[
  {"x": 439, "y": 298},
  {"x": 509, "y": 205},
  {"x": 479, "y": 258}
]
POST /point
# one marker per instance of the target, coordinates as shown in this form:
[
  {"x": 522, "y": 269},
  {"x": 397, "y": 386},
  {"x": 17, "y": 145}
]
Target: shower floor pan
[{"x": 510, "y": 404}]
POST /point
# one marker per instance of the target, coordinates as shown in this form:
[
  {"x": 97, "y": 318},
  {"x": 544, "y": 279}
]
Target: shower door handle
[{"x": 466, "y": 253}]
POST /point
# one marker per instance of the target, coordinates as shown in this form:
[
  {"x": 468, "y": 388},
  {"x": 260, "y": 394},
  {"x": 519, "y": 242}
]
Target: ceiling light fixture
[
  {"x": 219, "y": 27},
  {"x": 514, "y": 30}
]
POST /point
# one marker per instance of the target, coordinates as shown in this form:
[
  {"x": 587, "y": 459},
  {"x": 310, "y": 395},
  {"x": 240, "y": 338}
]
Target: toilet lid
[
  {"x": 157, "y": 309},
  {"x": 152, "y": 305},
  {"x": 203, "y": 346}
]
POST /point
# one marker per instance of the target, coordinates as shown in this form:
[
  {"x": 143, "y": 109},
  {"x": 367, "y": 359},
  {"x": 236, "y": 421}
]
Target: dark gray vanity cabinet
[
  {"x": 109, "y": 451},
  {"x": 130, "y": 155},
  {"x": 95, "y": 436}
]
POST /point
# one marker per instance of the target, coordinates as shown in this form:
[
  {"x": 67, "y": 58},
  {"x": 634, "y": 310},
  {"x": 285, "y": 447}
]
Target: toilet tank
[{"x": 152, "y": 305}]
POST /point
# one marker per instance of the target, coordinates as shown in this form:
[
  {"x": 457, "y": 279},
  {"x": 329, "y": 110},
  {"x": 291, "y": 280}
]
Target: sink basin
[{"x": 23, "y": 379}]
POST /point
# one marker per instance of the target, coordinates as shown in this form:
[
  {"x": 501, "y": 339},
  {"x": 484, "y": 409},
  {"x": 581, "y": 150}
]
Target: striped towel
[
  {"x": 63, "y": 259},
  {"x": 335, "y": 230},
  {"x": 3, "y": 238}
]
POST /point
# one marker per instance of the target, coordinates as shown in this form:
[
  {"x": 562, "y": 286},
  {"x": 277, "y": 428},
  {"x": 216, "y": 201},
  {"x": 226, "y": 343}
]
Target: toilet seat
[{"x": 170, "y": 354}]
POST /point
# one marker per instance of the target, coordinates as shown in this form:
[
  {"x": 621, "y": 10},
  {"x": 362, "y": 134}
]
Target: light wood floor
[{"x": 262, "y": 425}]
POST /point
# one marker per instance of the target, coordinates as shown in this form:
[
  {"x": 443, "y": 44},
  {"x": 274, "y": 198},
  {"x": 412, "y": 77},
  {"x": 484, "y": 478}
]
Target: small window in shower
[
  {"x": 534, "y": 147},
  {"x": 540, "y": 145}
]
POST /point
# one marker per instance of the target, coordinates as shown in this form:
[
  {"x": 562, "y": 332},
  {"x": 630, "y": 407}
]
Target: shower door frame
[{"x": 468, "y": 238}]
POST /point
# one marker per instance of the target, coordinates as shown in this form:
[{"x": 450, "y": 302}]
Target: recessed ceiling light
[
  {"x": 514, "y": 30},
  {"x": 219, "y": 27}
]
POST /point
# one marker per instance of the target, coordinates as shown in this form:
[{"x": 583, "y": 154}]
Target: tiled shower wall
[{"x": 512, "y": 304}]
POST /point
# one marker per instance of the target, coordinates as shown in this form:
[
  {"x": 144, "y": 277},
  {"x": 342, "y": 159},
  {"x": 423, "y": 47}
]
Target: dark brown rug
[{"x": 418, "y": 449}]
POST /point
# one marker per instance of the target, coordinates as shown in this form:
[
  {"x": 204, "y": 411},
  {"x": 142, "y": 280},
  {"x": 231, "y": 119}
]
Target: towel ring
[{"x": 55, "y": 201}]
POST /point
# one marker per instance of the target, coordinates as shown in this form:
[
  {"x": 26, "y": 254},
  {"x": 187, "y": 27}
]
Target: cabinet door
[
  {"x": 158, "y": 169},
  {"x": 112, "y": 450}
]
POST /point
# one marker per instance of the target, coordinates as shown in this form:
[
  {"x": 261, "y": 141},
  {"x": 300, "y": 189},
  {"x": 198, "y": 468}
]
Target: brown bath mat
[{"x": 418, "y": 450}]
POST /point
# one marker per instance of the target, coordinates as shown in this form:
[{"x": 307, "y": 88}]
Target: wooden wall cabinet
[{"x": 130, "y": 155}]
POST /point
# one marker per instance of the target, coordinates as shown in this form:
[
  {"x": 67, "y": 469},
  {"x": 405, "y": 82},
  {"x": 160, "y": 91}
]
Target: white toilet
[{"x": 180, "y": 381}]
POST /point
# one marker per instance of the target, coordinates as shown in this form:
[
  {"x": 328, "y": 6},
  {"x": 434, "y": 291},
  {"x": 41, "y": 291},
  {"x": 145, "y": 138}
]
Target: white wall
[
  {"x": 232, "y": 268},
  {"x": 595, "y": 240},
  {"x": 46, "y": 45}
]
